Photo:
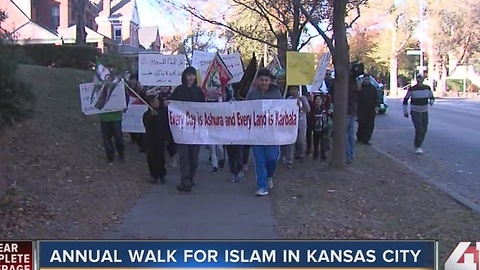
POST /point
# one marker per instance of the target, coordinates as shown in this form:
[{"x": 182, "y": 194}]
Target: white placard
[
  {"x": 201, "y": 60},
  {"x": 323, "y": 62},
  {"x": 133, "y": 119},
  {"x": 160, "y": 70},
  {"x": 253, "y": 122},
  {"x": 102, "y": 98}
]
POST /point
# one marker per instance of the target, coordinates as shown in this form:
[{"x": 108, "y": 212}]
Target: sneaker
[
  {"x": 289, "y": 165},
  {"x": 240, "y": 177},
  {"x": 233, "y": 178},
  {"x": 174, "y": 162},
  {"x": 261, "y": 192},
  {"x": 110, "y": 160},
  {"x": 185, "y": 189},
  {"x": 221, "y": 164},
  {"x": 154, "y": 180},
  {"x": 419, "y": 151},
  {"x": 162, "y": 180},
  {"x": 215, "y": 170},
  {"x": 270, "y": 182}
]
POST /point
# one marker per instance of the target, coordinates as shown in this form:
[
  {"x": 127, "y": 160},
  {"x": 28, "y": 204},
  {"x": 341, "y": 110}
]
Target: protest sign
[
  {"x": 300, "y": 68},
  {"x": 216, "y": 79},
  {"x": 201, "y": 61},
  {"x": 160, "y": 70},
  {"x": 252, "y": 122},
  {"x": 323, "y": 62},
  {"x": 102, "y": 98},
  {"x": 133, "y": 118}
]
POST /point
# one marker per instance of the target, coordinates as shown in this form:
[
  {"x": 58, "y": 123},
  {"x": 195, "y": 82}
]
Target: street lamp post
[{"x": 421, "y": 71}]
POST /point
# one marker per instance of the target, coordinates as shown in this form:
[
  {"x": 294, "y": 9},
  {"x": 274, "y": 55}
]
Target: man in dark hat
[
  {"x": 420, "y": 96},
  {"x": 188, "y": 153}
]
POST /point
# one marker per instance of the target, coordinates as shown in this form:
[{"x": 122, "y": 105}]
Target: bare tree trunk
[
  {"x": 394, "y": 75},
  {"x": 281, "y": 50},
  {"x": 341, "y": 62},
  {"x": 81, "y": 34},
  {"x": 394, "y": 65}
]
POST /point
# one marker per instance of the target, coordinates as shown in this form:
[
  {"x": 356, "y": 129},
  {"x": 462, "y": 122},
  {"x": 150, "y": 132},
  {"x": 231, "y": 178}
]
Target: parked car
[{"x": 382, "y": 103}]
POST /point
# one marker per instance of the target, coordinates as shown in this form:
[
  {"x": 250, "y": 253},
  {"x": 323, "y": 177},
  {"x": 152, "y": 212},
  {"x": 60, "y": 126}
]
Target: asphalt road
[{"x": 452, "y": 144}]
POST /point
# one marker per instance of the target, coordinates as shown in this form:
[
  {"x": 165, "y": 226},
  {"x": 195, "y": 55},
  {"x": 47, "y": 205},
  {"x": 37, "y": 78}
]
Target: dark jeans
[
  {"x": 156, "y": 160},
  {"x": 235, "y": 158},
  {"x": 320, "y": 138},
  {"x": 112, "y": 129},
  {"x": 171, "y": 146},
  {"x": 188, "y": 159},
  {"x": 420, "y": 122},
  {"x": 309, "y": 138},
  {"x": 137, "y": 138},
  {"x": 366, "y": 125},
  {"x": 246, "y": 154}
]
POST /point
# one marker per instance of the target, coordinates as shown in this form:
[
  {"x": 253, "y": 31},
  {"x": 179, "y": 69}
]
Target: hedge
[{"x": 66, "y": 56}]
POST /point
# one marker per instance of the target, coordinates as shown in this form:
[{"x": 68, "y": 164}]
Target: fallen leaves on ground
[
  {"x": 373, "y": 199},
  {"x": 65, "y": 188}
]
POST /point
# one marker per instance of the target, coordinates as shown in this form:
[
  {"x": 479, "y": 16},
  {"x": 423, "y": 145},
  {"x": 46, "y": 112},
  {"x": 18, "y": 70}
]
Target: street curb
[{"x": 459, "y": 198}]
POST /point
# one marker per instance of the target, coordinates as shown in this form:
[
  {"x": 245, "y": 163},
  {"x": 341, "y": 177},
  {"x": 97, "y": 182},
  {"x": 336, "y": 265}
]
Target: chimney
[{"x": 107, "y": 6}]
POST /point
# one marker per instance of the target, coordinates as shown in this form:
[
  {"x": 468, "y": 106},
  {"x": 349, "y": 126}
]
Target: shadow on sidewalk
[{"x": 215, "y": 209}]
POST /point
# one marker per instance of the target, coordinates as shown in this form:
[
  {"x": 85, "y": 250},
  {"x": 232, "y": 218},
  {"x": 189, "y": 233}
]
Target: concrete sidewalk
[{"x": 215, "y": 209}]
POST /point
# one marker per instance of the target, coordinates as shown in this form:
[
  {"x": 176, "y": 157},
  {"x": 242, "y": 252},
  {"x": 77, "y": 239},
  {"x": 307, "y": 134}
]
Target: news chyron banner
[{"x": 141, "y": 255}]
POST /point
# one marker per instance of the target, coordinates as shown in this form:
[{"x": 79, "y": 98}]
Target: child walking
[
  {"x": 320, "y": 132},
  {"x": 156, "y": 134}
]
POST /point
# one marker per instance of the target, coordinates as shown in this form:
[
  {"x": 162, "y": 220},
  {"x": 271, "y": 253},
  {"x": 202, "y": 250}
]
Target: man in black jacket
[
  {"x": 188, "y": 153},
  {"x": 367, "y": 103}
]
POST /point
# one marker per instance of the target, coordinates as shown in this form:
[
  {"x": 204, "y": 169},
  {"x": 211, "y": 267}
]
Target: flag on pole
[
  {"x": 274, "y": 66},
  {"x": 243, "y": 86},
  {"x": 254, "y": 82},
  {"x": 105, "y": 83},
  {"x": 216, "y": 79}
]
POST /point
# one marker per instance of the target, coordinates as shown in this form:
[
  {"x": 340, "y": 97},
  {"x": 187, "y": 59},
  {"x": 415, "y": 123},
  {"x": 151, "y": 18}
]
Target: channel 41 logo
[{"x": 466, "y": 256}]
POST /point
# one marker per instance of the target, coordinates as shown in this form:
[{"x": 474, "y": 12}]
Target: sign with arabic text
[{"x": 160, "y": 70}]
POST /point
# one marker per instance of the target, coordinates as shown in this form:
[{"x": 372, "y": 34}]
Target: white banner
[
  {"x": 102, "y": 98},
  {"x": 253, "y": 122},
  {"x": 323, "y": 62},
  {"x": 160, "y": 70},
  {"x": 133, "y": 119},
  {"x": 201, "y": 60}
]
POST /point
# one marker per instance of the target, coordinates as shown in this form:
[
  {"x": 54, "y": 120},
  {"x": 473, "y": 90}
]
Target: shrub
[
  {"x": 16, "y": 98},
  {"x": 78, "y": 57}
]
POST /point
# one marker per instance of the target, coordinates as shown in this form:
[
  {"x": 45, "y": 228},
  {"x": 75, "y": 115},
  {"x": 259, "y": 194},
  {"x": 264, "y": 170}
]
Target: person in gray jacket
[
  {"x": 265, "y": 156},
  {"x": 299, "y": 148}
]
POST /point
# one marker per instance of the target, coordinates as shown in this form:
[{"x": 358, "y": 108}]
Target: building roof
[
  {"x": 147, "y": 35},
  {"x": 131, "y": 50},
  {"x": 70, "y": 34},
  {"x": 31, "y": 32},
  {"x": 121, "y": 9}
]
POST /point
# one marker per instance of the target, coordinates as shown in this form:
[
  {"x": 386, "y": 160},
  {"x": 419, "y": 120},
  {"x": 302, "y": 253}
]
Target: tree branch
[
  {"x": 192, "y": 11},
  {"x": 314, "y": 23},
  {"x": 349, "y": 25}
]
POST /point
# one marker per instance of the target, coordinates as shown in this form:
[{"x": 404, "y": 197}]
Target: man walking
[
  {"x": 265, "y": 156},
  {"x": 188, "y": 153},
  {"x": 421, "y": 96},
  {"x": 367, "y": 103}
]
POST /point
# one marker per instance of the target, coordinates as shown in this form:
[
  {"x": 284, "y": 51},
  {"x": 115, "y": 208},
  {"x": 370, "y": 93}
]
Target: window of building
[
  {"x": 117, "y": 34},
  {"x": 55, "y": 14}
]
